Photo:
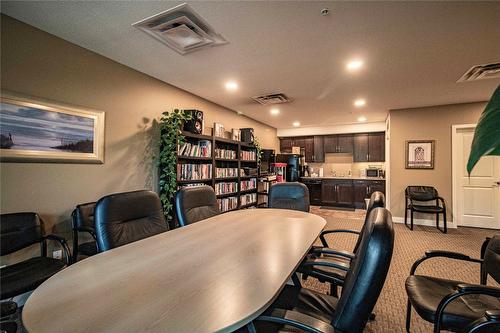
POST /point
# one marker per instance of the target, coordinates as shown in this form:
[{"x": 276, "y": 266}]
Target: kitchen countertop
[{"x": 348, "y": 178}]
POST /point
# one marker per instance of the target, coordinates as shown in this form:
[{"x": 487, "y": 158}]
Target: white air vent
[
  {"x": 480, "y": 72},
  {"x": 278, "y": 98},
  {"x": 181, "y": 29}
]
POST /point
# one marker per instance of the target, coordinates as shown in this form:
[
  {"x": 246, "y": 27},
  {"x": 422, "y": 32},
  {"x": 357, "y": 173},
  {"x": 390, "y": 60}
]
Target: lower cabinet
[
  {"x": 344, "y": 192},
  {"x": 337, "y": 192},
  {"x": 363, "y": 189}
]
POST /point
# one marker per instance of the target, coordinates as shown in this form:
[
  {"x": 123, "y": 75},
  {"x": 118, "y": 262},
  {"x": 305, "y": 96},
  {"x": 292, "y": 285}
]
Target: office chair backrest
[
  {"x": 421, "y": 193},
  {"x": 124, "y": 218},
  {"x": 377, "y": 200},
  {"x": 19, "y": 230},
  {"x": 366, "y": 277},
  {"x": 195, "y": 203},
  {"x": 492, "y": 258},
  {"x": 83, "y": 216},
  {"x": 289, "y": 196}
]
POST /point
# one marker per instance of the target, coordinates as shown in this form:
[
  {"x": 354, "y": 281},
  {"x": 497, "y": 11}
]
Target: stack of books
[
  {"x": 225, "y": 153},
  {"x": 226, "y": 204},
  {"x": 225, "y": 188},
  {"x": 248, "y": 184},
  {"x": 226, "y": 172},
  {"x": 248, "y": 155},
  {"x": 247, "y": 199},
  {"x": 202, "y": 149},
  {"x": 194, "y": 171},
  {"x": 219, "y": 130}
]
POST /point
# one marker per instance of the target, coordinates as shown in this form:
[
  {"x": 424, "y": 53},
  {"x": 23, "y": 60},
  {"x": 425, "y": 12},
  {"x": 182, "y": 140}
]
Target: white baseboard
[{"x": 424, "y": 222}]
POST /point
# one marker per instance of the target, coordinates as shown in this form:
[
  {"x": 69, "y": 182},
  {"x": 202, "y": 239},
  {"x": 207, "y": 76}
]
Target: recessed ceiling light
[
  {"x": 359, "y": 103},
  {"x": 296, "y": 124},
  {"x": 361, "y": 119},
  {"x": 354, "y": 65},
  {"x": 275, "y": 111},
  {"x": 231, "y": 85}
]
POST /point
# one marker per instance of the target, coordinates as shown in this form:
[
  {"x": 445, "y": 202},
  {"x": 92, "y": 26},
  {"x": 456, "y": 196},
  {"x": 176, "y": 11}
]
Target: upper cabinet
[
  {"x": 366, "y": 147},
  {"x": 369, "y": 147},
  {"x": 340, "y": 143}
]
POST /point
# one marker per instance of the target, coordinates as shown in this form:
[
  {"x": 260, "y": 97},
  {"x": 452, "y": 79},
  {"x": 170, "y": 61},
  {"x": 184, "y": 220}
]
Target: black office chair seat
[
  {"x": 87, "y": 249},
  {"x": 27, "y": 275},
  {"x": 426, "y": 292},
  {"x": 426, "y": 209},
  {"x": 325, "y": 273}
]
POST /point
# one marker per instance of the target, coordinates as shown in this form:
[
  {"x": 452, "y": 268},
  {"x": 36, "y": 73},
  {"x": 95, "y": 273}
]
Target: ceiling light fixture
[
  {"x": 354, "y": 65},
  {"x": 296, "y": 124},
  {"x": 231, "y": 86},
  {"x": 359, "y": 103},
  {"x": 361, "y": 119},
  {"x": 275, "y": 112}
]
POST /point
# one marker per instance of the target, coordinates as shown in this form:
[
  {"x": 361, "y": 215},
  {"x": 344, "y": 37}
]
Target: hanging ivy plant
[
  {"x": 170, "y": 136},
  {"x": 258, "y": 148}
]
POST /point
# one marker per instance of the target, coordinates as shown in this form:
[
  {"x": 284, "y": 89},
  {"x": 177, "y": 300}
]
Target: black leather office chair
[
  {"x": 416, "y": 195},
  {"x": 489, "y": 323},
  {"x": 124, "y": 218},
  {"x": 83, "y": 221},
  {"x": 289, "y": 196},
  {"x": 452, "y": 305},
  {"x": 7, "y": 322},
  {"x": 18, "y": 231},
  {"x": 312, "y": 311},
  {"x": 312, "y": 265},
  {"x": 195, "y": 203}
]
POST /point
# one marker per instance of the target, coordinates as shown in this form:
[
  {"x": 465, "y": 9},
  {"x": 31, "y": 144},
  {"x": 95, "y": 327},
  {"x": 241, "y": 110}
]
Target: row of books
[
  {"x": 202, "y": 149},
  {"x": 248, "y": 184},
  {"x": 226, "y": 172},
  {"x": 226, "y": 204},
  {"x": 225, "y": 153},
  {"x": 224, "y": 188},
  {"x": 194, "y": 171},
  {"x": 248, "y": 155},
  {"x": 190, "y": 185},
  {"x": 248, "y": 199}
]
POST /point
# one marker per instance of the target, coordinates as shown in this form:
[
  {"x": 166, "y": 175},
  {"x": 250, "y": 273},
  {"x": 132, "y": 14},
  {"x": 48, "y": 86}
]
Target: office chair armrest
[
  {"x": 298, "y": 320},
  {"x": 64, "y": 245},
  {"x": 89, "y": 230},
  {"x": 442, "y": 201},
  {"x": 462, "y": 289},
  {"x": 491, "y": 319},
  {"x": 340, "y": 253},
  {"x": 338, "y": 265},
  {"x": 332, "y": 231},
  {"x": 442, "y": 254}
]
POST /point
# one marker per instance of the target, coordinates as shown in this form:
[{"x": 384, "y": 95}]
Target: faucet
[{"x": 334, "y": 173}]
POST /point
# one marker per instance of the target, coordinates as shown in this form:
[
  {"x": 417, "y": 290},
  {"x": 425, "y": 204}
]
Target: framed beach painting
[
  {"x": 36, "y": 130},
  {"x": 420, "y": 154}
]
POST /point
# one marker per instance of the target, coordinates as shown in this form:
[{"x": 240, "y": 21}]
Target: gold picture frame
[
  {"x": 38, "y": 130},
  {"x": 419, "y": 154}
]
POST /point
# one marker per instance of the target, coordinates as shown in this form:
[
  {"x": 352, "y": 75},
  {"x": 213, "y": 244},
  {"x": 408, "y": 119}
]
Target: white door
[{"x": 477, "y": 196}]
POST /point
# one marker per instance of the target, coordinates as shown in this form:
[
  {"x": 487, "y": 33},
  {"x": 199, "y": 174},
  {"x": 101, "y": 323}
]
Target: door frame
[{"x": 454, "y": 168}]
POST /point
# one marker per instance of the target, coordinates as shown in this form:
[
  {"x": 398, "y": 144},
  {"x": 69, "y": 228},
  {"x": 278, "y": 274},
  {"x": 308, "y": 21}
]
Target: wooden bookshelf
[{"x": 218, "y": 162}]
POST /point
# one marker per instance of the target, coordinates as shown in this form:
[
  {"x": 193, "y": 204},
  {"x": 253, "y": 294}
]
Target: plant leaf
[{"x": 487, "y": 134}]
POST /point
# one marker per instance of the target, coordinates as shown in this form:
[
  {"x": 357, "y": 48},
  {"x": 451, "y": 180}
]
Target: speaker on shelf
[
  {"x": 246, "y": 135},
  {"x": 195, "y": 125}
]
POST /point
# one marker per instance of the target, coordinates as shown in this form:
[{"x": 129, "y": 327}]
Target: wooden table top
[{"x": 212, "y": 276}]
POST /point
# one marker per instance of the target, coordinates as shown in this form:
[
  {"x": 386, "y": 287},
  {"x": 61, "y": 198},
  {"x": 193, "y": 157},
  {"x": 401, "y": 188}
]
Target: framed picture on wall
[
  {"x": 36, "y": 130},
  {"x": 420, "y": 154}
]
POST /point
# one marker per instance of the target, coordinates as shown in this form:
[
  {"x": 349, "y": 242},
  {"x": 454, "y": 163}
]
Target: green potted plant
[
  {"x": 170, "y": 137},
  {"x": 487, "y": 134}
]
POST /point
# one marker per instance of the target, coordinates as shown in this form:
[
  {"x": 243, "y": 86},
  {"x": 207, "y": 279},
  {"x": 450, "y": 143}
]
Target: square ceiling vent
[
  {"x": 480, "y": 72},
  {"x": 182, "y": 29},
  {"x": 278, "y": 98}
]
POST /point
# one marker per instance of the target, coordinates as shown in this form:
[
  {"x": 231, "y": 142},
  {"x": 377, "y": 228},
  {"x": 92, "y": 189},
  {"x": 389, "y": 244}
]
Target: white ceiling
[{"x": 413, "y": 52}]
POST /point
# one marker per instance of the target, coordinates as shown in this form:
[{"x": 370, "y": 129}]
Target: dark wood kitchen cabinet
[
  {"x": 369, "y": 147},
  {"x": 337, "y": 192},
  {"x": 286, "y": 145},
  {"x": 318, "y": 146},
  {"x": 340, "y": 143},
  {"x": 364, "y": 188},
  {"x": 309, "y": 149}
]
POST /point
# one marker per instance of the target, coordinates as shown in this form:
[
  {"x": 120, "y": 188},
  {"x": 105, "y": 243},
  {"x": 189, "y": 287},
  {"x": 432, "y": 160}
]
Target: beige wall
[
  {"x": 432, "y": 123},
  {"x": 36, "y": 63}
]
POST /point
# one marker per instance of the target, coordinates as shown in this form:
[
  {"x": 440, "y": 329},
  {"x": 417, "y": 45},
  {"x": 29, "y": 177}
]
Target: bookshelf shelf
[{"x": 243, "y": 158}]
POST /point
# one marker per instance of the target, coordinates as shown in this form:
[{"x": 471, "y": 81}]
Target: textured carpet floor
[{"x": 408, "y": 247}]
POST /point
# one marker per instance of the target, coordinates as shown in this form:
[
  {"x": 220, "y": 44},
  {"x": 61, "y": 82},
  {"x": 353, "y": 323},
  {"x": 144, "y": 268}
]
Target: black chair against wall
[
  {"x": 19, "y": 231},
  {"x": 124, "y": 218},
  {"x": 292, "y": 195},
  {"x": 415, "y": 195},
  {"x": 335, "y": 276},
  {"x": 195, "y": 203},
  {"x": 83, "y": 221},
  {"x": 312, "y": 311},
  {"x": 448, "y": 303}
]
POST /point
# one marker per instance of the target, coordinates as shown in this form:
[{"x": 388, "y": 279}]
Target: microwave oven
[{"x": 374, "y": 173}]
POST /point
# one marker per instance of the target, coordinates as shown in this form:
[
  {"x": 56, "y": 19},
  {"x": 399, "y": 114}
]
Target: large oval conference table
[{"x": 212, "y": 276}]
